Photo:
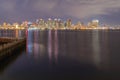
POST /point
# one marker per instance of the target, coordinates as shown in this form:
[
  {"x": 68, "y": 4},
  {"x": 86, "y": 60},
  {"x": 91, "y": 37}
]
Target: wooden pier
[{"x": 10, "y": 44}]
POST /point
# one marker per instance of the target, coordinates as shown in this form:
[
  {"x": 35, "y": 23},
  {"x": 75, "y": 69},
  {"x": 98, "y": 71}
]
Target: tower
[
  {"x": 69, "y": 23},
  {"x": 95, "y": 23}
]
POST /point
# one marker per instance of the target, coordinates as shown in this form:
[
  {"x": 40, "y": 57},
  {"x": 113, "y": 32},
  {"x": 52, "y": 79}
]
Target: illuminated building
[
  {"x": 25, "y": 24},
  {"x": 60, "y": 23},
  {"x": 30, "y": 24},
  {"x": 14, "y": 24},
  {"x": 41, "y": 23},
  {"x": 49, "y": 23},
  {"x": 55, "y": 23},
  {"x": 93, "y": 24},
  {"x": 8, "y": 24},
  {"x": 78, "y": 25},
  {"x": 4, "y": 24},
  {"x": 37, "y": 21},
  {"x": 68, "y": 23}
]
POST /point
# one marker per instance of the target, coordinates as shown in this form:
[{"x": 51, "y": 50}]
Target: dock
[{"x": 9, "y": 44}]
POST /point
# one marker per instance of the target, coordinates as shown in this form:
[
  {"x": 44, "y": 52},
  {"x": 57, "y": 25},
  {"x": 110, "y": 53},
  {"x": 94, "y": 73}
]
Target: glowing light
[
  {"x": 16, "y": 26},
  {"x": 97, "y": 21},
  {"x": 55, "y": 19},
  {"x": 49, "y": 19}
]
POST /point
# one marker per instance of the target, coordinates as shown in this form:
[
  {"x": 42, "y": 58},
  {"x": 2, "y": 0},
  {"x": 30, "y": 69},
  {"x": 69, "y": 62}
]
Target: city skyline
[
  {"x": 107, "y": 11},
  {"x": 57, "y": 24}
]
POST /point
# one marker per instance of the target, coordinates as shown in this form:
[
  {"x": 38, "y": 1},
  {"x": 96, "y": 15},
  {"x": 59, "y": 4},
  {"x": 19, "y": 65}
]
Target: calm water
[
  {"x": 60, "y": 55},
  {"x": 12, "y": 33}
]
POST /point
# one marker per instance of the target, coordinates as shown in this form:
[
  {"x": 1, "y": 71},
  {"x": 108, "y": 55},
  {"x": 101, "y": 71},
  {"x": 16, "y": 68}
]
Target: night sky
[{"x": 107, "y": 11}]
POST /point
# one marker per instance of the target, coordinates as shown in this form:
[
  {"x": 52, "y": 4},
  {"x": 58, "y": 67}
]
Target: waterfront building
[
  {"x": 78, "y": 25},
  {"x": 41, "y": 23},
  {"x": 93, "y": 24},
  {"x": 55, "y": 23},
  {"x": 9, "y": 25},
  {"x": 49, "y": 23},
  {"x": 69, "y": 23},
  {"x": 4, "y": 24}
]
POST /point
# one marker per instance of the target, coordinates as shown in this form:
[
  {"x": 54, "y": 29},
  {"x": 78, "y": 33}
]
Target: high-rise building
[
  {"x": 93, "y": 24},
  {"x": 4, "y": 24},
  {"x": 69, "y": 23},
  {"x": 55, "y": 23},
  {"x": 78, "y": 25},
  {"x": 41, "y": 23},
  {"x": 49, "y": 23}
]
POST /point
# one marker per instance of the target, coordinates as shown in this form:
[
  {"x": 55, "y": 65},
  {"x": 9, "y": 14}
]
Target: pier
[{"x": 7, "y": 45}]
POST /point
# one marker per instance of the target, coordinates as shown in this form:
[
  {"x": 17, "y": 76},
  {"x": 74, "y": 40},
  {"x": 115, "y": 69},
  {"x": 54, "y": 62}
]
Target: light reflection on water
[
  {"x": 71, "y": 54},
  {"x": 56, "y": 47},
  {"x": 50, "y": 45},
  {"x": 96, "y": 48},
  {"x": 53, "y": 46},
  {"x": 12, "y": 33}
]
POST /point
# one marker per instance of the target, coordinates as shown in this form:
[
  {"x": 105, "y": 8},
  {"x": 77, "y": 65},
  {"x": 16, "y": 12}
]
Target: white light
[
  {"x": 96, "y": 21},
  {"x": 55, "y": 19},
  {"x": 41, "y": 19},
  {"x": 49, "y": 19},
  {"x": 16, "y": 26}
]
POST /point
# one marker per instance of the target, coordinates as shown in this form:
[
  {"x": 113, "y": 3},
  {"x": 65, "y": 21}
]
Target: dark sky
[{"x": 107, "y": 11}]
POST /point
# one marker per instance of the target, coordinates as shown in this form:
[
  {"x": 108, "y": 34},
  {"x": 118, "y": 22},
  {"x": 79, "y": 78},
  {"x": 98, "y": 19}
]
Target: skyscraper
[
  {"x": 93, "y": 24},
  {"x": 68, "y": 23}
]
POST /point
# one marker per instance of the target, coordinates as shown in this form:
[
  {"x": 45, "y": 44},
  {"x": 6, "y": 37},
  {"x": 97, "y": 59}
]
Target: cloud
[
  {"x": 8, "y": 5},
  {"x": 74, "y": 8},
  {"x": 43, "y": 5},
  {"x": 79, "y": 9},
  {"x": 87, "y": 8}
]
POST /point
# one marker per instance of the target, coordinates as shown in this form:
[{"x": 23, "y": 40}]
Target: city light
[{"x": 57, "y": 24}]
